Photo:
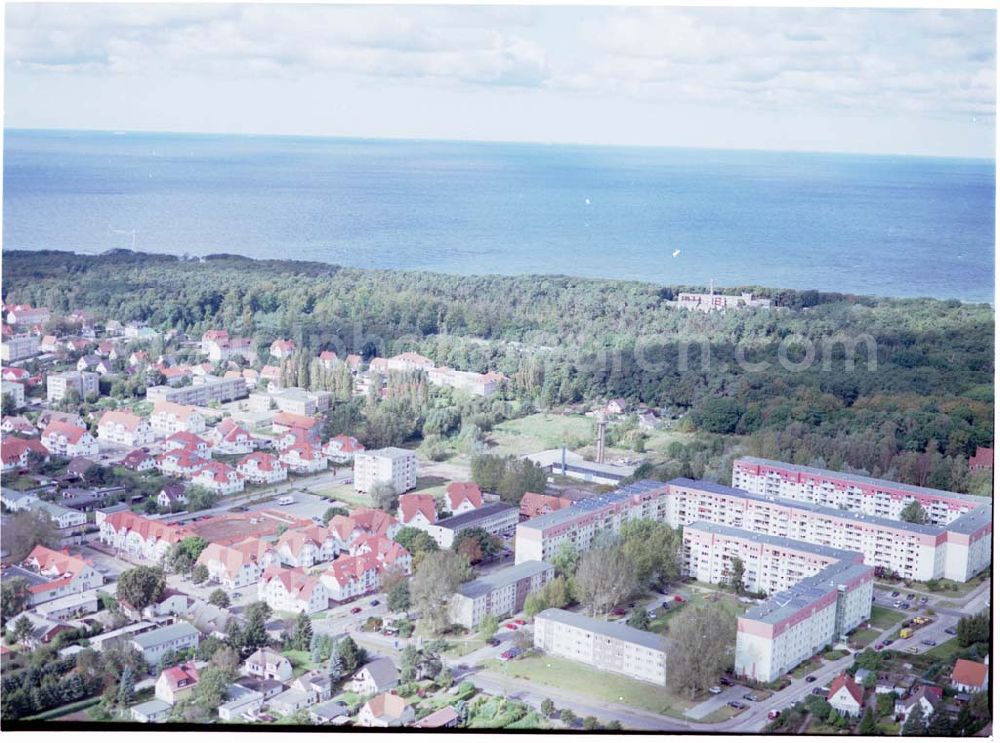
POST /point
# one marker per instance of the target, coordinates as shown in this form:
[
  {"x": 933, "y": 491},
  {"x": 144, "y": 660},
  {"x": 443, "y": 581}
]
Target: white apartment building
[
  {"x": 770, "y": 563},
  {"x": 172, "y": 638},
  {"x": 858, "y": 493},
  {"x": 392, "y": 465},
  {"x": 15, "y": 390},
  {"x": 607, "y": 646},
  {"x": 169, "y": 418},
  {"x": 17, "y": 347},
  {"x": 291, "y": 589},
  {"x": 58, "y": 385},
  {"x": 495, "y": 518},
  {"x": 774, "y": 637},
  {"x": 263, "y": 468},
  {"x": 498, "y": 594},
  {"x": 204, "y": 390},
  {"x": 121, "y": 428},
  {"x": 219, "y": 478},
  {"x": 68, "y": 441}
]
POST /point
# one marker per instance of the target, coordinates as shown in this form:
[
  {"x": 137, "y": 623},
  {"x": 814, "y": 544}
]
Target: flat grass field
[
  {"x": 945, "y": 650},
  {"x": 581, "y": 679},
  {"x": 665, "y": 617},
  {"x": 542, "y": 431},
  {"x": 884, "y": 618},
  {"x": 344, "y": 493}
]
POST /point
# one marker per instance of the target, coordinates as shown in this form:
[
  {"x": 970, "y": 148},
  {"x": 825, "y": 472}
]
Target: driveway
[{"x": 718, "y": 701}]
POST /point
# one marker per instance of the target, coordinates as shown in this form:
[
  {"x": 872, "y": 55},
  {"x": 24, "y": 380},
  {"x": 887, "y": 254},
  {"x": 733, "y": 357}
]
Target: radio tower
[{"x": 602, "y": 425}]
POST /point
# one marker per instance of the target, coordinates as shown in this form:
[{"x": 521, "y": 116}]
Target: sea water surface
[{"x": 896, "y": 226}]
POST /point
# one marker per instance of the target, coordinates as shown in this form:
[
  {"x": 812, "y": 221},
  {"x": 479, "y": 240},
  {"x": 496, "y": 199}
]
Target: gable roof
[
  {"x": 460, "y": 491},
  {"x": 72, "y": 433},
  {"x": 181, "y": 676},
  {"x": 383, "y": 673},
  {"x": 123, "y": 418},
  {"x": 413, "y": 503},
  {"x": 388, "y": 706},
  {"x": 969, "y": 672},
  {"x": 843, "y": 681}
]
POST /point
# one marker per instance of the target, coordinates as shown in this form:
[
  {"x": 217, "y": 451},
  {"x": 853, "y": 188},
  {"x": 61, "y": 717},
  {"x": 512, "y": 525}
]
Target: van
[
  {"x": 905, "y": 632},
  {"x": 286, "y": 500}
]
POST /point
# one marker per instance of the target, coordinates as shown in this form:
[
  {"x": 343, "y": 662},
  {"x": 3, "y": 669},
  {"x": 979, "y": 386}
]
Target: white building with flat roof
[
  {"x": 58, "y": 385},
  {"x": 392, "y": 465},
  {"x": 203, "y": 390},
  {"x": 607, "y": 646},
  {"x": 498, "y": 594}
]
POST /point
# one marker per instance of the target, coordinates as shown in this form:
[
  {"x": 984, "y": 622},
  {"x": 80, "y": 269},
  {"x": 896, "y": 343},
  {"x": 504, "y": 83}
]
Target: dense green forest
[{"x": 900, "y": 388}]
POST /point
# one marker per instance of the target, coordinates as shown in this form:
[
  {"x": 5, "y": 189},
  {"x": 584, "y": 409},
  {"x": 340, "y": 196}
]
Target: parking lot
[
  {"x": 718, "y": 701},
  {"x": 306, "y": 505}
]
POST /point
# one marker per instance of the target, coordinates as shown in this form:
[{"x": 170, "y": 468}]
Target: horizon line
[{"x": 539, "y": 143}]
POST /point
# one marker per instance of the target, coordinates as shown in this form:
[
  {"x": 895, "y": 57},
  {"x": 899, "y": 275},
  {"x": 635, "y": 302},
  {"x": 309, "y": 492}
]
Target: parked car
[
  {"x": 519, "y": 622},
  {"x": 373, "y": 602},
  {"x": 888, "y": 642},
  {"x": 904, "y": 605},
  {"x": 810, "y": 679},
  {"x": 725, "y": 682},
  {"x": 679, "y": 599},
  {"x": 511, "y": 626},
  {"x": 651, "y": 614},
  {"x": 750, "y": 696},
  {"x": 910, "y": 596},
  {"x": 665, "y": 605},
  {"x": 618, "y": 612},
  {"x": 895, "y": 594},
  {"x": 951, "y": 631},
  {"x": 924, "y": 600},
  {"x": 493, "y": 642},
  {"x": 929, "y": 642},
  {"x": 736, "y": 704},
  {"x": 897, "y": 604},
  {"x": 818, "y": 690},
  {"x": 773, "y": 714},
  {"x": 355, "y": 610},
  {"x": 715, "y": 690}
]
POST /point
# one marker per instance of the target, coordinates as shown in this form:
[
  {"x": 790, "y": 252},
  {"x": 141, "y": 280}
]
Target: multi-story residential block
[
  {"x": 121, "y": 428},
  {"x": 17, "y": 452},
  {"x": 495, "y": 518},
  {"x": 218, "y": 477},
  {"x": 307, "y": 546},
  {"x": 84, "y": 383},
  {"x": 855, "y": 493},
  {"x": 462, "y": 497},
  {"x": 713, "y": 302},
  {"x": 68, "y": 441},
  {"x": 792, "y": 625},
  {"x": 261, "y": 467},
  {"x": 204, "y": 390},
  {"x": 67, "y": 520},
  {"x": 770, "y": 563},
  {"x": 169, "y": 418},
  {"x": 180, "y": 462},
  {"x": 16, "y": 392},
  {"x": 291, "y": 589},
  {"x": 158, "y": 642},
  {"x": 218, "y": 346},
  {"x": 389, "y": 554},
  {"x": 607, "y": 646},
  {"x": 189, "y": 442},
  {"x": 539, "y": 538},
  {"x": 470, "y": 382},
  {"x": 25, "y": 314},
  {"x": 230, "y": 438},
  {"x": 397, "y": 467},
  {"x": 293, "y": 400},
  {"x": 498, "y": 594}
]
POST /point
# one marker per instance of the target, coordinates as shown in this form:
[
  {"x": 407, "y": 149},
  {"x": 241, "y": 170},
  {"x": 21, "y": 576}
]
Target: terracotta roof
[
  {"x": 347, "y": 568},
  {"x": 181, "y": 676},
  {"x": 387, "y": 705},
  {"x": 537, "y": 504},
  {"x": 129, "y": 421},
  {"x": 283, "y": 345},
  {"x": 231, "y": 559},
  {"x": 218, "y": 472},
  {"x": 264, "y": 462},
  {"x": 345, "y": 444},
  {"x": 146, "y": 528},
  {"x": 174, "y": 408},
  {"x": 134, "y": 458},
  {"x": 187, "y": 440},
  {"x": 413, "y": 503},
  {"x": 296, "y": 582},
  {"x": 72, "y": 433},
  {"x": 386, "y": 551},
  {"x": 845, "y": 681},
  {"x": 969, "y": 672},
  {"x": 54, "y": 562},
  {"x": 293, "y": 420},
  {"x": 373, "y": 520},
  {"x": 343, "y": 527},
  {"x": 13, "y": 447},
  {"x": 183, "y": 458},
  {"x": 460, "y": 491},
  {"x": 327, "y": 356}
]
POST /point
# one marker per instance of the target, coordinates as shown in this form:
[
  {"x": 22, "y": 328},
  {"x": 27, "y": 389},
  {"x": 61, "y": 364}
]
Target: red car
[
  {"x": 355, "y": 610},
  {"x": 511, "y": 625},
  {"x": 618, "y": 612},
  {"x": 679, "y": 599},
  {"x": 519, "y": 622}
]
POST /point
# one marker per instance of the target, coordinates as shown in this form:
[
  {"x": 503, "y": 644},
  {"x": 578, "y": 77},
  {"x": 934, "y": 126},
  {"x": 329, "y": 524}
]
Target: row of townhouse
[
  {"x": 128, "y": 532},
  {"x": 774, "y": 637},
  {"x": 238, "y": 565},
  {"x": 360, "y": 571},
  {"x": 169, "y": 418},
  {"x": 956, "y": 551},
  {"x": 857, "y": 493},
  {"x": 420, "y": 509},
  {"x": 292, "y": 590}
]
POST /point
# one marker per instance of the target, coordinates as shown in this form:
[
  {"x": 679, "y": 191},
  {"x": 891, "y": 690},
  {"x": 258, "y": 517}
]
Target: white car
[{"x": 715, "y": 690}]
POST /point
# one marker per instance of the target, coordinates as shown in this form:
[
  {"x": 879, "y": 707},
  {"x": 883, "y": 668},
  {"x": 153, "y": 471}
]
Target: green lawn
[
  {"x": 863, "y": 638},
  {"x": 945, "y": 650},
  {"x": 542, "y": 431},
  {"x": 884, "y": 618},
  {"x": 585, "y": 680},
  {"x": 665, "y": 617},
  {"x": 835, "y": 654},
  {"x": 66, "y": 709},
  {"x": 805, "y": 668},
  {"x": 300, "y": 659},
  {"x": 721, "y": 715},
  {"x": 344, "y": 493}
]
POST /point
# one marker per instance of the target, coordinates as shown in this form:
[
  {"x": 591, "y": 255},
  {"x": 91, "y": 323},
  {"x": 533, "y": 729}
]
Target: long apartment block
[
  {"x": 859, "y": 493},
  {"x": 770, "y": 564},
  {"x": 956, "y": 551}
]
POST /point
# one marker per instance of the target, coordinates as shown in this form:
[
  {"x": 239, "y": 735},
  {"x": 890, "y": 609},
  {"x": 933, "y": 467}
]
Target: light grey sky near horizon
[{"x": 916, "y": 82}]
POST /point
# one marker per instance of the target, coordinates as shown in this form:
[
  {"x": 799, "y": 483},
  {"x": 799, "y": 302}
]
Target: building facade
[
  {"x": 398, "y": 467},
  {"x": 498, "y": 594}
]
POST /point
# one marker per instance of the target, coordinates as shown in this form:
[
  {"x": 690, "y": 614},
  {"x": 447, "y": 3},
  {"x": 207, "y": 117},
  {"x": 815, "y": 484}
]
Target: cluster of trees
[
  {"x": 434, "y": 581},
  {"x": 509, "y": 477},
  {"x": 914, "y": 414},
  {"x": 974, "y": 630}
]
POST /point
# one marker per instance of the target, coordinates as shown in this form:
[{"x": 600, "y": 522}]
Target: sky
[{"x": 916, "y": 82}]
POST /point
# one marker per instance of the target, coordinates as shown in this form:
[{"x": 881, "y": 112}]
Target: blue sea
[{"x": 891, "y": 226}]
